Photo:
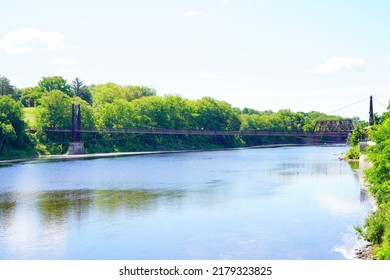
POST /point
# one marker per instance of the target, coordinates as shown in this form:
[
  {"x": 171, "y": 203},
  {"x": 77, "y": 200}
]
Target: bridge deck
[{"x": 208, "y": 132}]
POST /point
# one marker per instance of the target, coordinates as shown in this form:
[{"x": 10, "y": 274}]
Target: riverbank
[
  {"x": 365, "y": 253},
  {"x": 137, "y": 153}
]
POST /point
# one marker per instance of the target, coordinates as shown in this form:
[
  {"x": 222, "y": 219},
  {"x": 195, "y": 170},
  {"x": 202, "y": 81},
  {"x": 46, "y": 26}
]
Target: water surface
[{"x": 281, "y": 203}]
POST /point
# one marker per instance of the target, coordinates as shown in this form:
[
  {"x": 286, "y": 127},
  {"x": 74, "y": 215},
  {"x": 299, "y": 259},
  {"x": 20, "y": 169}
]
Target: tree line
[{"x": 110, "y": 105}]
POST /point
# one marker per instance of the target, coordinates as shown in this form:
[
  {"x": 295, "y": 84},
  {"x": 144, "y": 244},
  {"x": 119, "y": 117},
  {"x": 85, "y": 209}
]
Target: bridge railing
[{"x": 156, "y": 131}]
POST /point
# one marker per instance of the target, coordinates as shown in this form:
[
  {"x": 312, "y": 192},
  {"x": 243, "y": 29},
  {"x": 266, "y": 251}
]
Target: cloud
[
  {"x": 28, "y": 40},
  {"x": 194, "y": 14},
  {"x": 211, "y": 76},
  {"x": 339, "y": 206},
  {"x": 339, "y": 64},
  {"x": 60, "y": 61}
]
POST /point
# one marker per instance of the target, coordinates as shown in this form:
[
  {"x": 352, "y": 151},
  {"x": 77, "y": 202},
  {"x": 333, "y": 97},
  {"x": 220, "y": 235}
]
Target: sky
[{"x": 318, "y": 55}]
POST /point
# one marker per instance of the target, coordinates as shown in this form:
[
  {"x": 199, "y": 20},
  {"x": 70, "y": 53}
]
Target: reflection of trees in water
[
  {"x": 114, "y": 200},
  {"x": 57, "y": 206},
  {"x": 7, "y": 208}
]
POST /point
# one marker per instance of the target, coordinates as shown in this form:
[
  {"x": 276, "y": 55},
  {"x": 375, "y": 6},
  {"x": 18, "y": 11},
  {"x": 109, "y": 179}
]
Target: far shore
[{"x": 137, "y": 153}]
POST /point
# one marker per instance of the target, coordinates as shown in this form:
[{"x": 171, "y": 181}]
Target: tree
[
  {"x": 30, "y": 96},
  {"x": 216, "y": 115},
  {"x": 377, "y": 228},
  {"x": 136, "y": 92},
  {"x": 107, "y": 93},
  {"x": 5, "y": 86},
  {"x": 55, "y": 112},
  {"x": 11, "y": 122},
  {"x": 49, "y": 84},
  {"x": 81, "y": 90},
  {"x": 7, "y": 89},
  {"x": 358, "y": 134}
]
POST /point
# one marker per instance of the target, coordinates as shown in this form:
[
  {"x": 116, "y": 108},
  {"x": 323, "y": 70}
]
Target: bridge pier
[{"x": 75, "y": 148}]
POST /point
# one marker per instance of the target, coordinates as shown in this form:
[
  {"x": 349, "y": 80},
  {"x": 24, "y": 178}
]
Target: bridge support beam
[{"x": 75, "y": 148}]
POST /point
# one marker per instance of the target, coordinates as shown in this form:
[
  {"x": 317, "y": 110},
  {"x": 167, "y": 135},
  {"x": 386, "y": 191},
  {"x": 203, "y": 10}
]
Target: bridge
[
  {"x": 163, "y": 131},
  {"x": 332, "y": 131}
]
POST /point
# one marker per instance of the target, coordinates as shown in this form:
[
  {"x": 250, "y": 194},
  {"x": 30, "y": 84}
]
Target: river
[{"x": 274, "y": 203}]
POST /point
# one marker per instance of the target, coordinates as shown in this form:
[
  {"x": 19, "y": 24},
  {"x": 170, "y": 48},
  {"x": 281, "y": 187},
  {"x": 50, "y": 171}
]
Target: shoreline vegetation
[
  {"x": 370, "y": 146},
  {"x": 367, "y": 251}
]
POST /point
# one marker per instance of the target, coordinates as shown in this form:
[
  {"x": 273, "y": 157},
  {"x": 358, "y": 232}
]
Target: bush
[{"x": 353, "y": 152}]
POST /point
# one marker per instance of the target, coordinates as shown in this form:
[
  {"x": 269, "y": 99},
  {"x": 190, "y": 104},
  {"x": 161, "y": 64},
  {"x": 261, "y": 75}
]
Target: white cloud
[
  {"x": 194, "y": 14},
  {"x": 28, "y": 40},
  {"x": 386, "y": 60},
  {"x": 211, "y": 76},
  {"x": 340, "y": 64},
  {"x": 60, "y": 61}
]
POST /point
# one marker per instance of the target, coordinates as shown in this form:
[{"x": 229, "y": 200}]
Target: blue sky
[{"x": 263, "y": 54}]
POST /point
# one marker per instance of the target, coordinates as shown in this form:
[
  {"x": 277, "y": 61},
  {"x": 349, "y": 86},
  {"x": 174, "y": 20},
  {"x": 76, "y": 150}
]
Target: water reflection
[
  {"x": 114, "y": 200},
  {"x": 57, "y": 206},
  {"x": 7, "y": 208},
  {"x": 290, "y": 203}
]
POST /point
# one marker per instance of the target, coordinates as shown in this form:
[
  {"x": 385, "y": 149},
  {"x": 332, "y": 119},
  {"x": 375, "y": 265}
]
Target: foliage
[
  {"x": 358, "y": 134},
  {"x": 12, "y": 126},
  {"x": 79, "y": 89},
  {"x": 353, "y": 152},
  {"x": 48, "y": 84},
  {"x": 7, "y": 89},
  {"x": 112, "y": 105},
  {"x": 30, "y": 96},
  {"x": 54, "y": 112},
  {"x": 110, "y": 92},
  {"x": 377, "y": 226}
]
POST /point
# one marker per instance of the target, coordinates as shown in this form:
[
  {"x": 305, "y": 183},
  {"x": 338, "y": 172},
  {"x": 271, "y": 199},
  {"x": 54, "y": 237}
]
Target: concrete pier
[{"x": 75, "y": 148}]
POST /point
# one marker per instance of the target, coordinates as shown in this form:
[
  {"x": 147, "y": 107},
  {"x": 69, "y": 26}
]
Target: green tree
[
  {"x": 81, "y": 90},
  {"x": 55, "y": 112},
  {"x": 30, "y": 96},
  {"x": 216, "y": 115},
  {"x": 11, "y": 123},
  {"x": 119, "y": 114},
  {"x": 107, "y": 93},
  {"x": 377, "y": 227},
  {"x": 7, "y": 89},
  {"x": 49, "y": 84},
  {"x": 5, "y": 86},
  {"x": 135, "y": 92},
  {"x": 358, "y": 134}
]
